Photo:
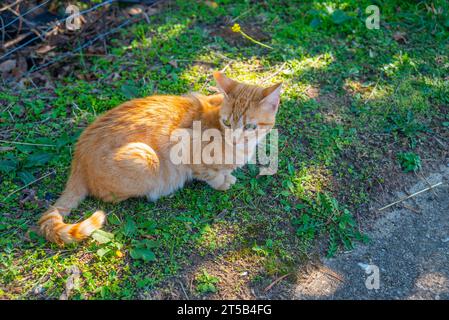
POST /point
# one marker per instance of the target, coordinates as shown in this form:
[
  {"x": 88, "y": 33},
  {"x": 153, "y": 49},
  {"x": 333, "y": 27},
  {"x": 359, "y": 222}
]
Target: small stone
[{"x": 38, "y": 290}]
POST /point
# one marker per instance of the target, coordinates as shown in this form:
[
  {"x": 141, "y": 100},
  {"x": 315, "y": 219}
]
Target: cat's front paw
[
  {"x": 225, "y": 186},
  {"x": 222, "y": 181},
  {"x": 229, "y": 178},
  {"x": 217, "y": 182}
]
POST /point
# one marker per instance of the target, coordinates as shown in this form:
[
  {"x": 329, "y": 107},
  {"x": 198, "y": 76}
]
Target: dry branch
[{"x": 410, "y": 196}]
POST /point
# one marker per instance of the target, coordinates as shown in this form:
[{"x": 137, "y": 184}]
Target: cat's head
[{"x": 247, "y": 107}]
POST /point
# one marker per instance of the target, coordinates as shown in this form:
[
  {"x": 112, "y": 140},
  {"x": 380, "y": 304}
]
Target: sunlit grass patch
[
  {"x": 311, "y": 180},
  {"x": 217, "y": 236}
]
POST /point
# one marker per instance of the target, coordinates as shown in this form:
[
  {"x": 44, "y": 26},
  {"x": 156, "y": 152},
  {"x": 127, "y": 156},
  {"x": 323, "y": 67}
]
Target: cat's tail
[{"x": 51, "y": 224}]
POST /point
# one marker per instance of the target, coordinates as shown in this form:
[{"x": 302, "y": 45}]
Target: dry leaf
[
  {"x": 173, "y": 63},
  {"x": 44, "y": 49},
  {"x": 8, "y": 65},
  {"x": 135, "y": 10},
  {"x": 21, "y": 68},
  {"x": 152, "y": 11},
  {"x": 28, "y": 195},
  {"x": 400, "y": 37},
  {"x": 71, "y": 283}
]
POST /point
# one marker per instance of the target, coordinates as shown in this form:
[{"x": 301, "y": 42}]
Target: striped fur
[{"x": 55, "y": 230}]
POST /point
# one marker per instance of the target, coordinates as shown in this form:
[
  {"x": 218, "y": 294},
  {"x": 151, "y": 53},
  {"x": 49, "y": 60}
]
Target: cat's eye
[
  {"x": 250, "y": 126},
  {"x": 226, "y": 122}
]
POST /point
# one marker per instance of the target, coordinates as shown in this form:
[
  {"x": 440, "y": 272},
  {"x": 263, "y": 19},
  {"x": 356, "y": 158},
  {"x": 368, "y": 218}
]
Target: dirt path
[{"x": 409, "y": 246}]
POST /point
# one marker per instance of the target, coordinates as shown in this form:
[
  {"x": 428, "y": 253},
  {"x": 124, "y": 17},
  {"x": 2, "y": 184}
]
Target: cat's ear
[
  {"x": 272, "y": 96},
  {"x": 224, "y": 83}
]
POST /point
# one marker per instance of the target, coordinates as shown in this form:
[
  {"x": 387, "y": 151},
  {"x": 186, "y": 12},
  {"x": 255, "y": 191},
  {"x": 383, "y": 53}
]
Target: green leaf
[
  {"x": 339, "y": 16},
  {"x": 150, "y": 243},
  {"x": 25, "y": 148},
  {"x": 63, "y": 140},
  {"x": 113, "y": 219},
  {"x": 26, "y": 177},
  {"x": 129, "y": 91},
  {"x": 149, "y": 226},
  {"x": 34, "y": 235},
  {"x": 36, "y": 160},
  {"x": 102, "y": 236},
  {"x": 44, "y": 140},
  {"x": 103, "y": 251},
  {"x": 18, "y": 110},
  {"x": 142, "y": 253},
  {"x": 130, "y": 227},
  {"x": 7, "y": 165},
  {"x": 315, "y": 23},
  {"x": 104, "y": 292}
]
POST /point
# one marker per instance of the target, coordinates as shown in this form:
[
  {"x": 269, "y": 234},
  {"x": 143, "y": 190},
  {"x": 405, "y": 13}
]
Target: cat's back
[
  {"x": 149, "y": 111},
  {"x": 151, "y": 116}
]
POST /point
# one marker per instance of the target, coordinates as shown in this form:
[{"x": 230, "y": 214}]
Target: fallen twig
[
  {"x": 71, "y": 282},
  {"x": 427, "y": 182},
  {"x": 10, "y": 5},
  {"x": 410, "y": 196},
  {"x": 243, "y": 14},
  {"x": 24, "y": 14},
  {"x": 183, "y": 290},
  {"x": 29, "y": 184},
  {"x": 28, "y": 144},
  {"x": 3, "y": 31},
  {"x": 410, "y": 208},
  {"x": 332, "y": 274},
  {"x": 274, "y": 74},
  {"x": 268, "y": 288},
  {"x": 439, "y": 141},
  {"x": 16, "y": 40}
]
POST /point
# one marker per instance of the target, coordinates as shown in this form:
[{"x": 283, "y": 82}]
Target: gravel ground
[{"x": 409, "y": 248}]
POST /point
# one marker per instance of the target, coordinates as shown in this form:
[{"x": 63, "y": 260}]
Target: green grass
[
  {"x": 409, "y": 161},
  {"x": 205, "y": 283},
  {"x": 353, "y": 100}
]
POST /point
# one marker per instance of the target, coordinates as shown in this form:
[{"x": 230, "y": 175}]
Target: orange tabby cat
[{"x": 126, "y": 152}]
